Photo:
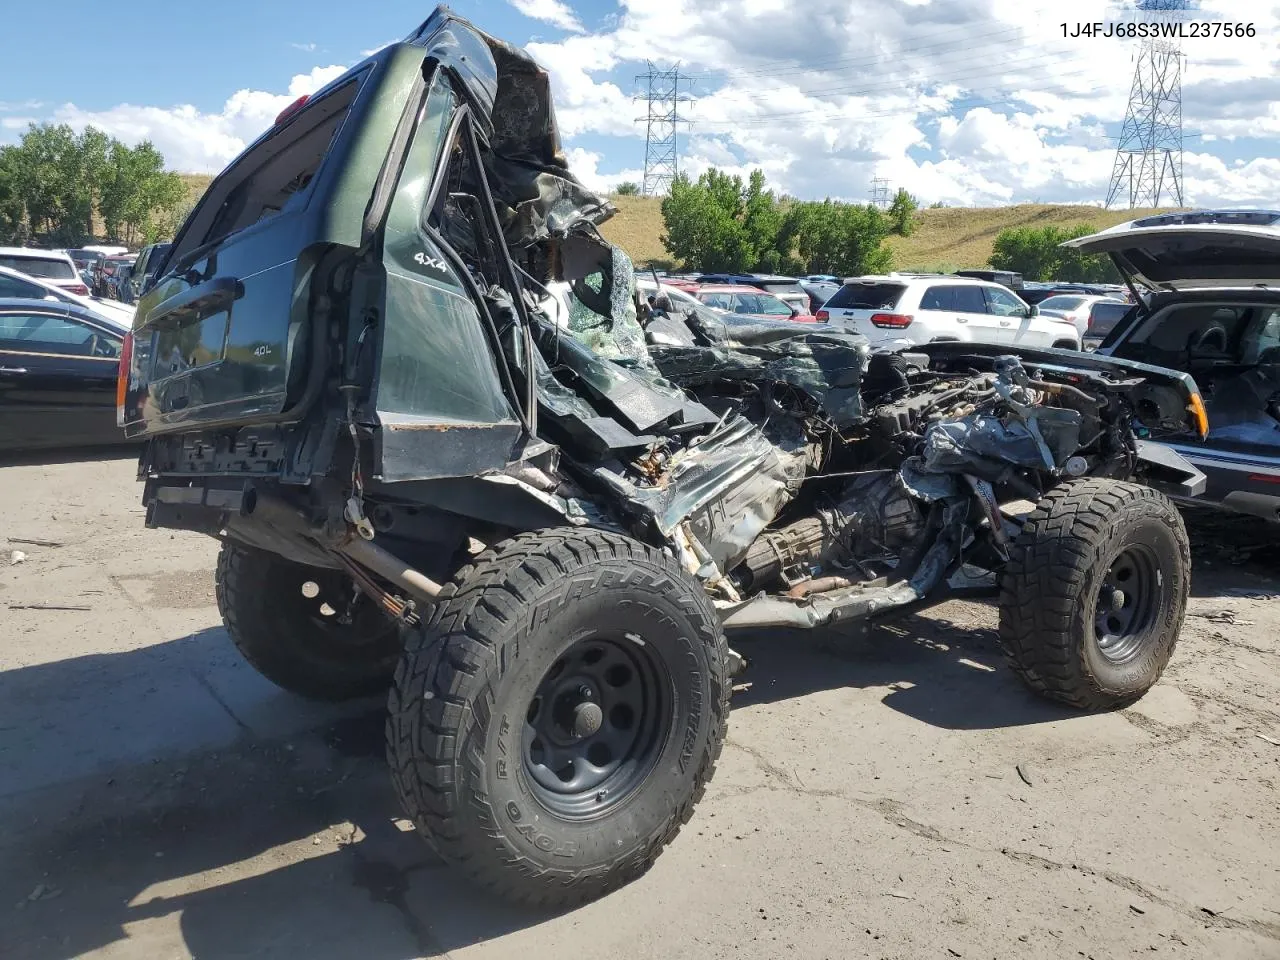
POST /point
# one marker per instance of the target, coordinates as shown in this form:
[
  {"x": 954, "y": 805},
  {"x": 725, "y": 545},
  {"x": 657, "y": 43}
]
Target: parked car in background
[
  {"x": 749, "y": 302},
  {"x": 678, "y": 295},
  {"x": 821, "y": 278},
  {"x": 1006, "y": 278},
  {"x": 1103, "y": 318},
  {"x": 51, "y": 265},
  {"x": 105, "y": 278},
  {"x": 15, "y": 285},
  {"x": 58, "y": 366},
  {"x": 1075, "y": 308},
  {"x": 150, "y": 259},
  {"x": 1214, "y": 312},
  {"x": 819, "y": 291},
  {"x": 905, "y": 309}
]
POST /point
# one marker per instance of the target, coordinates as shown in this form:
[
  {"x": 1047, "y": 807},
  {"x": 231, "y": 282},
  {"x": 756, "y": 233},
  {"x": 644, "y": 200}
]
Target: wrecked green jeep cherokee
[{"x": 448, "y": 452}]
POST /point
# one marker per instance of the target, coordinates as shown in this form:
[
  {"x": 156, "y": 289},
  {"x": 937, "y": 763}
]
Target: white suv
[{"x": 901, "y": 310}]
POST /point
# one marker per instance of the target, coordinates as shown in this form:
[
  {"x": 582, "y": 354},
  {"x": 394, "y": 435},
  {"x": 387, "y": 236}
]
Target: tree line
[
  {"x": 721, "y": 224},
  {"x": 1037, "y": 253},
  {"x": 61, "y": 188}
]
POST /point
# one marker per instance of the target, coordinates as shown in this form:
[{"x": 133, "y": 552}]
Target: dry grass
[
  {"x": 949, "y": 238},
  {"x": 637, "y": 228},
  {"x": 956, "y": 238},
  {"x": 197, "y": 184}
]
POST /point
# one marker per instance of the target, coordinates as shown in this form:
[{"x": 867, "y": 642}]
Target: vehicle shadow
[
  {"x": 168, "y": 796},
  {"x": 37, "y": 458},
  {"x": 942, "y": 672},
  {"x": 269, "y": 839}
]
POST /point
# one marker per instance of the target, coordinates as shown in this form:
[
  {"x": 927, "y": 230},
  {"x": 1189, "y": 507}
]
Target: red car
[{"x": 749, "y": 302}]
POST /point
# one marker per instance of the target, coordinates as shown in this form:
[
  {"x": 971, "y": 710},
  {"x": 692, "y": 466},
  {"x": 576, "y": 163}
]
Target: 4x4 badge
[{"x": 433, "y": 263}]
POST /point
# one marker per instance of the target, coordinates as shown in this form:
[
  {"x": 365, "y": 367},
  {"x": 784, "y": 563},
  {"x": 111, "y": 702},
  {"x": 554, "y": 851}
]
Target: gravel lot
[{"x": 896, "y": 794}]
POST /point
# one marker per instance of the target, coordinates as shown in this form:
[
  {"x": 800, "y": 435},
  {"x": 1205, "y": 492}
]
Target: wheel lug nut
[{"x": 585, "y": 692}]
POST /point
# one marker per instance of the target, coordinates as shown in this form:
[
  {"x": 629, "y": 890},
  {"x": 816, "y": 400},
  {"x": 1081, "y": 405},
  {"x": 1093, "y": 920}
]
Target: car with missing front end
[
  {"x": 1206, "y": 286},
  {"x": 535, "y": 530}
]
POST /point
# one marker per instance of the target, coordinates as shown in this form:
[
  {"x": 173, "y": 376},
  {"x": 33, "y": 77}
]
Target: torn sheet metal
[{"x": 728, "y": 487}]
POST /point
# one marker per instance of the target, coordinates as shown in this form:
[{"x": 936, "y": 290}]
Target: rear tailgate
[
  {"x": 857, "y": 301},
  {"x": 225, "y": 335}
]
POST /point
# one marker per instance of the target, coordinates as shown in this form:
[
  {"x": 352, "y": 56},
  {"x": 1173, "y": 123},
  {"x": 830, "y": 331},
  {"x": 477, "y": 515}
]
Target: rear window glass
[
  {"x": 262, "y": 181},
  {"x": 55, "y": 269},
  {"x": 866, "y": 296},
  {"x": 1061, "y": 303},
  {"x": 1104, "y": 316}
]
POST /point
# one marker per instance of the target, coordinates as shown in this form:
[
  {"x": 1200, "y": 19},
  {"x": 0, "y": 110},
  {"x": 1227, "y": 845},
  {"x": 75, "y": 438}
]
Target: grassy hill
[
  {"x": 945, "y": 239},
  {"x": 956, "y": 238}
]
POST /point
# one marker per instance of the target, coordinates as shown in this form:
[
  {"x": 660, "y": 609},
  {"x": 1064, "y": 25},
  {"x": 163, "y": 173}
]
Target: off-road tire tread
[
  {"x": 1045, "y": 577},
  {"x": 447, "y": 676},
  {"x": 242, "y": 570}
]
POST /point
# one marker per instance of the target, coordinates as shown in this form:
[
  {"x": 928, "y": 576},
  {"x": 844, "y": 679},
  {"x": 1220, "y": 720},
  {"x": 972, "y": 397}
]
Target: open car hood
[{"x": 1194, "y": 250}]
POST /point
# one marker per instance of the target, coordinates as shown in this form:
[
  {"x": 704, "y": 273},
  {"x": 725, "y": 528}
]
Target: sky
[{"x": 962, "y": 102}]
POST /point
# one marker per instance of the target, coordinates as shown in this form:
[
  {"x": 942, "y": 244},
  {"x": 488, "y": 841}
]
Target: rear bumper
[{"x": 1242, "y": 483}]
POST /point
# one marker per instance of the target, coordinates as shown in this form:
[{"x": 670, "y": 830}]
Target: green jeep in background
[{"x": 531, "y": 515}]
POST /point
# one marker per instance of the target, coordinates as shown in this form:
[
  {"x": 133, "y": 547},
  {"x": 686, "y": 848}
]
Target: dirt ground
[{"x": 890, "y": 795}]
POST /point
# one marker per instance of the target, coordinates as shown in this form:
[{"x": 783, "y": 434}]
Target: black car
[
  {"x": 1006, "y": 278},
  {"x": 58, "y": 365}
]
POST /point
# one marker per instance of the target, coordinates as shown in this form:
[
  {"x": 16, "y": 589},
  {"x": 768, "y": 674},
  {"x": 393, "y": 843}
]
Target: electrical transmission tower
[
  {"x": 1148, "y": 166},
  {"x": 661, "y": 93},
  {"x": 880, "y": 194}
]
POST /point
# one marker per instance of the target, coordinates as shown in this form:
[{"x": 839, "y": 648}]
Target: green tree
[
  {"x": 54, "y": 183},
  {"x": 706, "y": 223},
  {"x": 627, "y": 188},
  {"x": 840, "y": 238},
  {"x": 1037, "y": 253},
  {"x": 902, "y": 213}
]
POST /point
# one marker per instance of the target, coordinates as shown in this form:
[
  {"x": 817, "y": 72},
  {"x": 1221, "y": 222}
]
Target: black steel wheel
[
  {"x": 554, "y": 724},
  {"x": 595, "y": 724},
  {"x": 304, "y": 628},
  {"x": 1129, "y": 600},
  {"x": 1095, "y": 592}
]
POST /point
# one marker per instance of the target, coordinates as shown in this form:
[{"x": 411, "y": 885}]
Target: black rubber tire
[
  {"x": 467, "y": 678},
  {"x": 286, "y": 638},
  {"x": 1065, "y": 345},
  {"x": 1050, "y": 587}
]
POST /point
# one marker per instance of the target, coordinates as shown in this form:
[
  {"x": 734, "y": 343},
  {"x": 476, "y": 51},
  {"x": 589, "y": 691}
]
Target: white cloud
[
  {"x": 194, "y": 141},
  {"x": 555, "y": 12},
  {"x": 585, "y": 166},
  {"x": 305, "y": 47},
  {"x": 964, "y": 101}
]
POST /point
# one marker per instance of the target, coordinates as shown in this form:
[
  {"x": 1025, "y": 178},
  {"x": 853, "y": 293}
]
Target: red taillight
[
  {"x": 122, "y": 377},
  {"x": 78, "y": 288},
  {"x": 822, "y": 316},
  {"x": 292, "y": 108},
  {"x": 1263, "y": 478},
  {"x": 892, "y": 321}
]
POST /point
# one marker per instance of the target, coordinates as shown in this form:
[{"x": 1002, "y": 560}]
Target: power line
[
  {"x": 662, "y": 119},
  {"x": 880, "y": 193},
  {"x": 1148, "y": 164}
]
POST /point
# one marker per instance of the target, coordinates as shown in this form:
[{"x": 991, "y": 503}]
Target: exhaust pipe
[
  {"x": 368, "y": 555},
  {"x": 387, "y": 565}
]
